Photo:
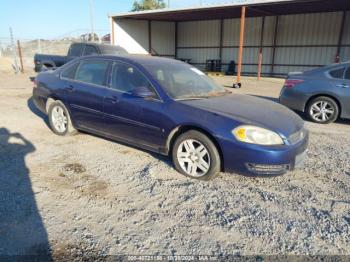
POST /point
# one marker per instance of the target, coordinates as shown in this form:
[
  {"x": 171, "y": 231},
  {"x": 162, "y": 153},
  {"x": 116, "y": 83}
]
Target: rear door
[
  {"x": 346, "y": 92},
  {"x": 341, "y": 87},
  {"x": 86, "y": 92}
]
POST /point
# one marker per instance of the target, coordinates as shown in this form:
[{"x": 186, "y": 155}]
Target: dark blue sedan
[{"x": 170, "y": 107}]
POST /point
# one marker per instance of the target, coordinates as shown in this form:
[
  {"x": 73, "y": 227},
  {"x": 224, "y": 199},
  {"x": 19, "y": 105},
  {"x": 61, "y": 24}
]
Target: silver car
[{"x": 323, "y": 93}]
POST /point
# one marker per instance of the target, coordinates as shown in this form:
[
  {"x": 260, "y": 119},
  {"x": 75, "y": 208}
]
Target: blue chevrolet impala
[{"x": 172, "y": 108}]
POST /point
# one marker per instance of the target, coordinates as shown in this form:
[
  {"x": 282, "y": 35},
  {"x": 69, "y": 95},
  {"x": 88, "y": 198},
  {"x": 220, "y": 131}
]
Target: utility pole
[
  {"x": 13, "y": 47},
  {"x": 92, "y": 19}
]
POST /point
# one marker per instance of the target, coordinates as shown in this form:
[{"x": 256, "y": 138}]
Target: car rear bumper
[
  {"x": 293, "y": 99},
  {"x": 39, "y": 101},
  {"x": 263, "y": 160}
]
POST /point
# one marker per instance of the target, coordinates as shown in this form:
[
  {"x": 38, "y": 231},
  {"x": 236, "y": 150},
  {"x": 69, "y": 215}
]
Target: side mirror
[{"x": 142, "y": 91}]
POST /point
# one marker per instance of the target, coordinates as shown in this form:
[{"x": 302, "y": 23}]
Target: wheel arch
[
  {"x": 325, "y": 95},
  {"x": 179, "y": 130},
  {"x": 52, "y": 98},
  {"x": 49, "y": 101}
]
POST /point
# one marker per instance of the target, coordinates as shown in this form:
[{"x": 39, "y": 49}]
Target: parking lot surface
[{"x": 88, "y": 194}]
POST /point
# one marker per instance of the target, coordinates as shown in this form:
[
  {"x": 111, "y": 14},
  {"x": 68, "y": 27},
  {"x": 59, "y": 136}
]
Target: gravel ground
[{"x": 85, "y": 196}]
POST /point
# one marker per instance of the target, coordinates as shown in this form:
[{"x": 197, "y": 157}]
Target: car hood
[{"x": 252, "y": 110}]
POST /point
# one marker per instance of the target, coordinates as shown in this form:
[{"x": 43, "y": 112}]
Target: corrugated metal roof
[{"x": 232, "y": 10}]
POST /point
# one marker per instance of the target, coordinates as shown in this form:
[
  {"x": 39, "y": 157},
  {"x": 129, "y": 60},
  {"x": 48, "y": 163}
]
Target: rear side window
[
  {"x": 90, "y": 50},
  {"x": 347, "y": 74},
  {"x": 75, "y": 50},
  {"x": 69, "y": 72},
  {"x": 337, "y": 73},
  {"x": 92, "y": 72}
]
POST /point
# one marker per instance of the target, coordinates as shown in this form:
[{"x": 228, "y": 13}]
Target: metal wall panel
[
  {"x": 346, "y": 34},
  {"x": 309, "y": 29},
  {"x": 269, "y": 30},
  {"x": 306, "y": 31},
  {"x": 163, "y": 38},
  {"x": 305, "y": 55},
  {"x": 345, "y": 54},
  {"x": 132, "y": 35},
  {"x": 198, "y": 55},
  {"x": 199, "y": 33},
  {"x": 252, "y": 31},
  {"x": 231, "y": 32},
  {"x": 250, "y": 55}
]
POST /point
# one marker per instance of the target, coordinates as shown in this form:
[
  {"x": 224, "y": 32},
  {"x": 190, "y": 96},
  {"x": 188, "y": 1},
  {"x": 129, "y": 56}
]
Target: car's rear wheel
[
  {"x": 323, "y": 110},
  {"x": 196, "y": 156},
  {"x": 59, "y": 118}
]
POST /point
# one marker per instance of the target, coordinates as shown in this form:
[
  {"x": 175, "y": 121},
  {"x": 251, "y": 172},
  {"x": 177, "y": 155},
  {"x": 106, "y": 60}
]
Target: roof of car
[{"x": 140, "y": 59}]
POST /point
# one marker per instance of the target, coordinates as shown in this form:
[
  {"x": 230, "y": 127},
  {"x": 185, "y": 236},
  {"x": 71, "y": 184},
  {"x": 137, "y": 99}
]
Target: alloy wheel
[
  {"x": 322, "y": 111},
  {"x": 59, "y": 119},
  {"x": 193, "y": 158}
]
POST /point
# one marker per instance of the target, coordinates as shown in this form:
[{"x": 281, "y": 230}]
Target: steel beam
[{"x": 241, "y": 43}]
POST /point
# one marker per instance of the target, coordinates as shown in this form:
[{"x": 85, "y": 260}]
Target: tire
[
  {"x": 59, "y": 119},
  {"x": 196, "y": 156},
  {"x": 322, "y": 110}
]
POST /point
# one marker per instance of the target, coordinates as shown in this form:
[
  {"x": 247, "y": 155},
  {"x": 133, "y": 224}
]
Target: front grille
[{"x": 297, "y": 136}]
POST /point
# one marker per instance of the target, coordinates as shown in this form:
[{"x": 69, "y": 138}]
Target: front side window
[
  {"x": 183, "y": 81},
  {"x": 92, "y": 72},
  {"x": 90, "y": 50},
  {"x": 337, "y": 73},
  {"x": 69, "y": 72},
  {"x": 126, "y": 78}
]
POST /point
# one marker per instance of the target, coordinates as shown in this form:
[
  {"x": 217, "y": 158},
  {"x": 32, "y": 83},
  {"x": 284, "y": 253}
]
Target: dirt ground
[{"x": 88, "y": 196}]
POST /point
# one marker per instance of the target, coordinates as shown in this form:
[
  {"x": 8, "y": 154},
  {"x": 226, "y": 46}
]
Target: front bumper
[{"x": 252, "y": 159}]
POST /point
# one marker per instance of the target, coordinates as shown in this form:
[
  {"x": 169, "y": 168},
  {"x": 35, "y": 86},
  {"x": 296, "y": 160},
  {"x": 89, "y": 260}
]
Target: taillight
[
  {"x": 33, "y": 80},
  {"x": 290, "y": 83}
]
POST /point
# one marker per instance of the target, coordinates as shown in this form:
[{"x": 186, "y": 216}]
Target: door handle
[
  {"x": 343, "y": 85},
  {"x": 112, "y": 99},
  {"x": 70, "y": 88}
]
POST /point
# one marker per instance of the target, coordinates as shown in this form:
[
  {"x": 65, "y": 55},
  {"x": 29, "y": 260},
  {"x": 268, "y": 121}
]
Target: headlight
[{"x": 257, "y": 135}]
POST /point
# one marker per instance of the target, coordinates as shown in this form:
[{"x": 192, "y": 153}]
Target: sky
[{"x": 49, "y": 19}]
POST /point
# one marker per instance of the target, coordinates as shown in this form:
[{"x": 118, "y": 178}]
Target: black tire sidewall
[
  {"x": 215, "y": 161},
  {"x": 60, "y": 104},
  {"x": 328, "y": 100}
]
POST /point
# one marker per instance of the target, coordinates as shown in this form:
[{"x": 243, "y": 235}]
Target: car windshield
[{"x": 182, "y": 81}]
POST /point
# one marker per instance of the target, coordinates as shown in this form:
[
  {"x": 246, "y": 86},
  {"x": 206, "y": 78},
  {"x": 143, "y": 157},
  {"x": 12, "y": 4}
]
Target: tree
[{"x": 140, "y": 5}]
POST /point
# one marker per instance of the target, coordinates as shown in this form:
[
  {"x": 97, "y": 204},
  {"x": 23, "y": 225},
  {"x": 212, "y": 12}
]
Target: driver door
[{"x": 134, "y": 119}]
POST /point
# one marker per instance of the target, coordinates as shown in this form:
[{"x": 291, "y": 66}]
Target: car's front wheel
[
  {"x": 59, "y": 118},
  {"x": 196, "y": 156},
  {"x": 323, "y": 110}
]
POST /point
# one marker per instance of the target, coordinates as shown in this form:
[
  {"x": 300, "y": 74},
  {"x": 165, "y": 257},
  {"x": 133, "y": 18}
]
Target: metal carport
[{"x": 278, "y": 36}]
